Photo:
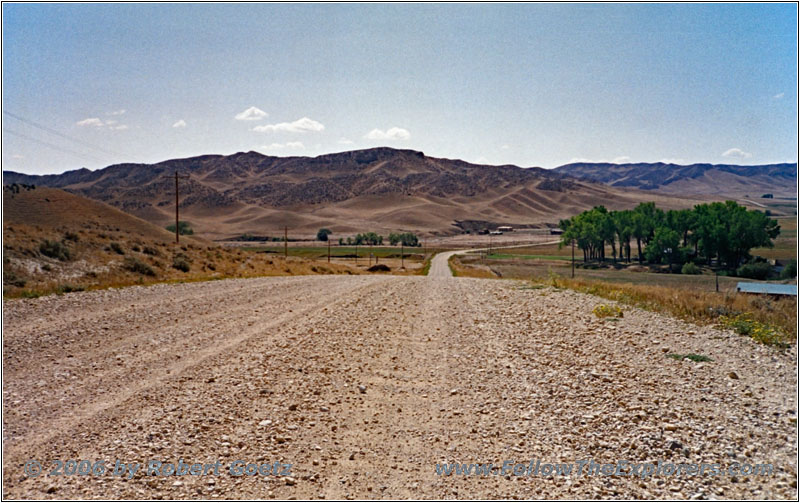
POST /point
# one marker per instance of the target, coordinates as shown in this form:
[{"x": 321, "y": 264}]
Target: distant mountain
[
  {"x": 696, "y": 179},
  {"x": 379, "y": 189}
]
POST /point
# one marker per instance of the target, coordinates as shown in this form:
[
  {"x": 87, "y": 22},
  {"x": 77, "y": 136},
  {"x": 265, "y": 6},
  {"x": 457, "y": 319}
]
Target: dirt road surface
[{"x": 364, "y": 384}]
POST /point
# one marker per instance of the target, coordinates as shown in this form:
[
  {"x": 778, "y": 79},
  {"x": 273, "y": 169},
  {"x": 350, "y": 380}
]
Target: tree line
[
  {"x": 372, "y": 238},
  {"x": 725, "y": 232}
]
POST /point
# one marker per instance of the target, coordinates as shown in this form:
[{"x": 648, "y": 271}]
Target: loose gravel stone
[{"x": 535, "y": 375}]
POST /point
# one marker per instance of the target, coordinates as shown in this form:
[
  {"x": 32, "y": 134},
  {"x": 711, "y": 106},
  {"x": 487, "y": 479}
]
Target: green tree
[
  {"x": 623, "y": 223},
  {"x": 664, "y": 247},
  {"x": 322, "y": 234}
]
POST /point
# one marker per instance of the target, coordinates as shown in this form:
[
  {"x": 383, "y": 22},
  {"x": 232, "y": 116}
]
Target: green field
[
  {"x": 785, "y": 244},
  {"x": 527, "y": 257}
]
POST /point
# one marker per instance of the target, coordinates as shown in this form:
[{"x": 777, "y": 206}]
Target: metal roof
[{"x": 768, "y": 288}]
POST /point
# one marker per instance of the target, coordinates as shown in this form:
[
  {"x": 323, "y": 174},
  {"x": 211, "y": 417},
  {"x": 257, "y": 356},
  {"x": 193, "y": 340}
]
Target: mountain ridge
[
  {"x": 376, "y": 189},
  {"x": 695, "y": 179}
]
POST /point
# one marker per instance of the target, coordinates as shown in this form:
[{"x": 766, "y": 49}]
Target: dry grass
[
  {"x": 56, "y": 242},
  {"x": 692, "y": 298},
  {"x": 103, "y": 258},
  {"x": 469, "y": 271}
]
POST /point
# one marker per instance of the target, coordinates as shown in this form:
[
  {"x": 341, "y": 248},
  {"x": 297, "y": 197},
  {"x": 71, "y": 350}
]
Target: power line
[
  {"x": 62, "y": 135},
  {"x": 55, "y": 147}
]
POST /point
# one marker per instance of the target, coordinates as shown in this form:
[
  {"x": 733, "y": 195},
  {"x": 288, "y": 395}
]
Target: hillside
[
  {"x": 56, "y": 209},
  {"x": 692, "y": 180},
  {"x": 54, "y": 241},
  {"x": 379, "y": 189}
]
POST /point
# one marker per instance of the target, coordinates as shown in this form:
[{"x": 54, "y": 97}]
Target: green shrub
[
  {"x": 745, "y": 324},
  {"x": 116, "y": 247},
  {"x": 604, "y": 311},
  {"x": 184, "y": 229},
  {"x": 149, "y": 250},
  {"x": 67, "y": 288},
  {"x": 759, "y": 270},
  {"x": 11, "y": 278},
  {"x": 790, "y": 270},
  {"x": 135, "y": 265},
  {"x": 690, "y": 268},
  {"x": 71, "y": 236},
  {"x": 181, "y": 263},
  {"x": 54, "y": 249}
]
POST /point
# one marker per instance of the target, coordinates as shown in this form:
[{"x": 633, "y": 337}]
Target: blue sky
[{"x": 533, "y": 85}]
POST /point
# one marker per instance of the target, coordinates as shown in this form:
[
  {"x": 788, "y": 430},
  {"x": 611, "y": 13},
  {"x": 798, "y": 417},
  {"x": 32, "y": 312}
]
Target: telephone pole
[
  {"x": 285, "y": 241},
  {"x": 402, "y": 255},
  {"x": 177, "y": 216},
  {"x": 329, "y": 249}
]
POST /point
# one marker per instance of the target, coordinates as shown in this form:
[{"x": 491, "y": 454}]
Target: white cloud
[
  {"x": 673, "y": 161},
  {"x": 736, "y": 152},
  {"x": 95, "y": 122},
  {"x": 481, "y": 160},
  {"x": 621, "y": 159},
  {"x": 299, "y": 126},
  {"x": 505, "y": 147},
  {"x": 17, "y": 156},
  {"x": 117, "y": 112},
  {"x": 395, "y": 133},
  {"x": 91, "y": 121},
  {"x": 778, "y": 96},
  {"x": 251, "y": 114},
  {"x": 281, "y": 146},
  {"x": 180, "y": 123},
  {"x": 345, "y": 141}
]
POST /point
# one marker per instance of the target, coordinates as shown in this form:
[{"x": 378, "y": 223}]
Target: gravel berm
[{"x": 365, "y": 383}]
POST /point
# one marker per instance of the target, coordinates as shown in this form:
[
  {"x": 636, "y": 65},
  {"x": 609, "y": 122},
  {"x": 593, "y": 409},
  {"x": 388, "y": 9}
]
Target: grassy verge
[
  {"x": 426, "y": 266},
  {"x": 460, "y": 269},
  {"x": 768, "y": 321}
]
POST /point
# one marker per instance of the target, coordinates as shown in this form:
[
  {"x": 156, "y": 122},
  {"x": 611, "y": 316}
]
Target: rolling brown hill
[
  {"x": 379, "y": 189},
  {"x": 55, "y": 241},
  {"x": 49, "y": 208}
]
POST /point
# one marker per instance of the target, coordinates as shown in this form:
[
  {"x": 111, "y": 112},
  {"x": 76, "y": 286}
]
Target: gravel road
[{"x": 364, "y": 383}]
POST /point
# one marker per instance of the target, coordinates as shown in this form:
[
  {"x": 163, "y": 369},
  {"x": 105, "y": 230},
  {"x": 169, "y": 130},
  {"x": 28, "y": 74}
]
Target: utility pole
[
  {"x": 573, "y": 257},
  {"x": 402, "y": 255},
  {"x": 329, "y": 249},
  {"x": 177, "y": 221},
  {"x": 356, "y": 253},
  {"x": 285, "y": 241}
]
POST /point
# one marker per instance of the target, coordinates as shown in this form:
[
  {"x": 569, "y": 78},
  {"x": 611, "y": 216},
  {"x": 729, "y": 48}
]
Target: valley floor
[{"x": 365, "y": 383}]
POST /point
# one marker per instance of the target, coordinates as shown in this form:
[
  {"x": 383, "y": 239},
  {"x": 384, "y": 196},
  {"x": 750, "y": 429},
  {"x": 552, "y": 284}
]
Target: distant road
[{"x": 440, "y": 269}]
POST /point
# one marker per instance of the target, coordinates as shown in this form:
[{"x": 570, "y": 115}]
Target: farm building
[{"x": 766, "y": 289}]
